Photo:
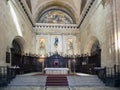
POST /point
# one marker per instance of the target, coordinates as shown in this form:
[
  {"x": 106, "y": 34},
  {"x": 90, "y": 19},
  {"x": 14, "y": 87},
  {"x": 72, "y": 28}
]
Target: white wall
[{"x": 9, "y": 30}]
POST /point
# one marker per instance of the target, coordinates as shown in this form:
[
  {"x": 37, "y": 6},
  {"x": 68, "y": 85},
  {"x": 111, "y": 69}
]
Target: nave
[{"x": 82, "y": 36}]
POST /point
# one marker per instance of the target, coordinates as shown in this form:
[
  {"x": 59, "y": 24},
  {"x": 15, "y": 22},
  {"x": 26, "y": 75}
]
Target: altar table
[{"x": 56, "y": 70}]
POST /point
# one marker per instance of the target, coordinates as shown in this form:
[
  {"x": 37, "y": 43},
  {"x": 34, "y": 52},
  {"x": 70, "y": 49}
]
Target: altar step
[
  {"x": 56, "y": 80},
  {"x": 28, "y": 80}
]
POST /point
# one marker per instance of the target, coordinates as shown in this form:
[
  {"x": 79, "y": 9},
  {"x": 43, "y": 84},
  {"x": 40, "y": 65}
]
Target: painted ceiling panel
[{"x": 55, "y": 16}]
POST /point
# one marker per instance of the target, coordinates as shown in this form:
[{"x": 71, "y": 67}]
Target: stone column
[
  {"x": 110, "y": 37},
  {"x": 116, "y": 20}
]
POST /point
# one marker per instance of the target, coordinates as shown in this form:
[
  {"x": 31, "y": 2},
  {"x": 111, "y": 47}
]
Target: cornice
[{"x": 85, "y": 11}]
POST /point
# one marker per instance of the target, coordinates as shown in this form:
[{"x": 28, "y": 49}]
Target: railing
[
  {"x": 6, "y": 75},
  {"x": 110, "y": 75}
]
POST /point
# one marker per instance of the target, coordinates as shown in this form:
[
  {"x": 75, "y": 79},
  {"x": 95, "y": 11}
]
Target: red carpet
[{"x": 56, "y": 80}]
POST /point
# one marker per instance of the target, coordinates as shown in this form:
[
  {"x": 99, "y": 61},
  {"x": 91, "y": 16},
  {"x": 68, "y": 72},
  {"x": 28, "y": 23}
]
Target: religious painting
[
  {"x": 56, "y": 16},
  {"x": 42, "y": 47}
]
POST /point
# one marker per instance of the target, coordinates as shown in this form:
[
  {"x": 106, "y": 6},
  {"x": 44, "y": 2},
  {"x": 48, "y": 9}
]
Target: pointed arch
[{"x": 90, "y": 44}]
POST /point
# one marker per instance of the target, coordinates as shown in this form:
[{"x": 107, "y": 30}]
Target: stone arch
[
  {"x": 17, "y": 50},
  {"x": 59, "y": 4},
  {"x": 90, "y": 44},
  {"x": 20, "y": 40}
]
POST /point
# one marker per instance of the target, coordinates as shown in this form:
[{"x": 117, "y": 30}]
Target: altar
[{"x": 56, "y": 70}]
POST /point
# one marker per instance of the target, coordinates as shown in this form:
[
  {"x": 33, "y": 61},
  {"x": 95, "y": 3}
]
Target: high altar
[
  {"x": 56, "y": 64},
  {"x": 56, "y": 47},
  {"x": 56, "y": 70}
]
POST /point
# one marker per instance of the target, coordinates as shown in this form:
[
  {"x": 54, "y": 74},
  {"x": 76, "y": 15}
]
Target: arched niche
[
  {"x": 91, "y": 42},
  {"x": 94, "y": 50},
  {"x": 18, "y": 47},
  {"x": 20, "y": 41}
]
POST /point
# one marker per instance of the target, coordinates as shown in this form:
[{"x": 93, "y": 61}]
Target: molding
[
  {"x": 94, "y": 7},
  {"x": 26, "y": 11},
  {"x": 33, "y": 23},
  {"x": 85, "y": 12},
  {"x": 17, "y": 6},
  {"x": 63, "y": 29}
]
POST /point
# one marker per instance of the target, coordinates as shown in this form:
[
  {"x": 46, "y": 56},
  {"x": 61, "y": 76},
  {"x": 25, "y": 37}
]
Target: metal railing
[
  {"x": 110, "y": 75},
  {"x": 6, "y": 75}
]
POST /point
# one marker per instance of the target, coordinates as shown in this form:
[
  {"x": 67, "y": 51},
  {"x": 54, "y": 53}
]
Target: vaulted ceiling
[{"x": 72, "y": 7}]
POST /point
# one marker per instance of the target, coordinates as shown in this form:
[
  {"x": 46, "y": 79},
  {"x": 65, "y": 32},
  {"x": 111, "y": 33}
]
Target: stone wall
[
  {"x": 116, "y": 18},
  {"x": 98, "y": 25},
  {"x": 9, "y": 29}
]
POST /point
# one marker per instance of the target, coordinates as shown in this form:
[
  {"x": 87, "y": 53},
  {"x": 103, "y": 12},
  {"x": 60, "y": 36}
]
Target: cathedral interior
[{"x": 81, "y": 35}]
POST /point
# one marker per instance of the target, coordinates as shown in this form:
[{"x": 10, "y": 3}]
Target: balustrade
[
  {"x": 110, "y": 75},
  {"x": 6, "y": 75}
]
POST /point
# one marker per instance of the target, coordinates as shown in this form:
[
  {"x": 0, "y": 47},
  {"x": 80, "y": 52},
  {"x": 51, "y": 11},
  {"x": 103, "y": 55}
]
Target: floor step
[
  {"x": 56, "y": 80},
  {"x": 56, "y": 84}
]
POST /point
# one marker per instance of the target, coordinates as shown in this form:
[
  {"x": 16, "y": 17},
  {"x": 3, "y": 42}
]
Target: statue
[
  {"x": 42, "y": 44},
  {"x": 70, "y": 47},
  {"x": 42, "y": 47},
  {"x": 56, "y": 42}
]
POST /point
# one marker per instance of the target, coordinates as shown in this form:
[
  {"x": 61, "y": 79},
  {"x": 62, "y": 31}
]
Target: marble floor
[
  {"x": 77, "y": 82},
  {"x": 57, "y": 88}
]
